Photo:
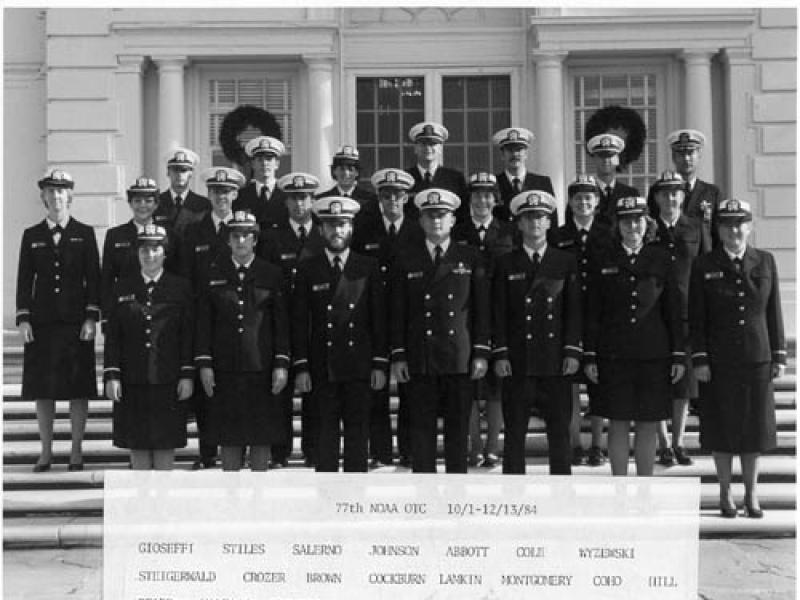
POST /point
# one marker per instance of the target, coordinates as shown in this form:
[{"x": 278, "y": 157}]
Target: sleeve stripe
[
  {"x": 23, "y": 311},
  {"x": 380, "y": 359},
  {"x": 398, "y": 350},
  {"x": 482, "y": 347},
  {"x": 203, "y": 357},
  {"x": 578, "y": 348},
  {"x": 501, "y": 349},
  {"x": 699, "y": 354},
  {"x": 110, "y": 369},
  {"x": 284, "y": 356}
]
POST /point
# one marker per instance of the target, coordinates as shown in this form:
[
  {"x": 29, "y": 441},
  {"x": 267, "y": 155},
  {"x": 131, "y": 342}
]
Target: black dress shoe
[
  {"x": 204, "y": 463},
  {"x": 682, "y": 457},
  {"x": 490, "y": 461},
  {"x": 41, "y": 467},
  {"x": 405, "y": 462},
  {"x": 666, "y": 457},
  {"x": 595, "y": 457},
  {"x": 578, "y": 456},
  {"x": 309, "y": 462},
  {"x": 277, "y": 464},
  {"x": 728, "y": 513},
  {"x": 75, "y": 466},
  {"x": 753, "y": 513}
]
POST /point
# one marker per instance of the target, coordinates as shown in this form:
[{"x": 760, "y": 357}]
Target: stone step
[
  {"x": 773, "y": 496},
  {"x": 774, "y": 469},
  {"x": 98, "y": 427},
  {"x": 27, "y": 451},
  {"x": 15, "y": 408}
]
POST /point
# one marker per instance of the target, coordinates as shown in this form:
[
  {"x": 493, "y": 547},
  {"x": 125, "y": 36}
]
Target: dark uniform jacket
[
  {"x": 498, "y": 240},
  {"x": 735, "y": 318},
  {"x": 597, "y": 242},
  {"x": 121, "y": 259},
  {"x": 701, "y": 203},
  {"x": 201, "y": 245},
  {"x": 193, "y": 208},
  {"x": 242, "y": 324},
  {"x": 445, "y": 178},
  {"x": 608, "y": 202},
  {"x": 362, "y": 194},
  {"x": 537, "y": 318},
  {"x": 58, "y": 284},
  {"x": 149, "y": 337},
  {"x": 687, "y": 241},
  {"x": 339, "y": 323},
  {"x": 271, "y": 213},
  {"x": 371, "y": 238},
  {"x": 633, "y": 311},
  {"x": 531, "y": 181},
  {"x": 282, "y": 247},
  {"x": 441, "y": 317}
]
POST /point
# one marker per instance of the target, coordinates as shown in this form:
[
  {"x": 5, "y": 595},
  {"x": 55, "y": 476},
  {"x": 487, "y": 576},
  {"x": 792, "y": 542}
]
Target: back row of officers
[{"x": 458, "y": 289}]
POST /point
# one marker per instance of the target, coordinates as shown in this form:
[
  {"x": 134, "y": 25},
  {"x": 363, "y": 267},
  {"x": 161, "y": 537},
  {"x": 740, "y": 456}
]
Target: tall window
[
  {"x": 273, "y": 95},
  {"x": 386, "y": 108},
  {"x": 473, "y": 109},
  {"x": 637, "y": 91}
]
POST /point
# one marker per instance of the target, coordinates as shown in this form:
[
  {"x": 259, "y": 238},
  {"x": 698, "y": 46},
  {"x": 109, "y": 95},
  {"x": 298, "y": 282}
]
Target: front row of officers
[{"x": 332, "y": 314}]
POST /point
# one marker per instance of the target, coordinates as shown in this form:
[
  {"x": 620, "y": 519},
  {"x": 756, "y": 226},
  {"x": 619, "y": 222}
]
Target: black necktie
[
  {"x": 301, "y": 234},
  {"x": 178, "y": 201},
  {"x": 336, "y": 269},
  {"x": 222, "y": 231},
  {"x": 437, "y": 255},
  {"x": 517, "y": 185},
  {"x": 150, "y": 286},
  {"x": 56, "y": 232},
  {"x": 737, "y": 262},
  {"x": 427, "y": 178},
  {"x": 608, "y": 192},
  {"x": 392, "y": 230},
  {"x": 264, "y": 193},
  {"x": 535, "y": 260}
]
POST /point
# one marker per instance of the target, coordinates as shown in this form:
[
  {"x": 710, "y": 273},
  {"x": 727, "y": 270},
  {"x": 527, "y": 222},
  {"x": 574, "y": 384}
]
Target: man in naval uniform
[
  {"x": 345, "y": 169},
  {"x": 261, "y": 197},
  {"x": 440, "y": 332},
  {"x": 339, "y": 341},
  {"x": 514, "y": 144},
  {"x": 178, "y": 206}
]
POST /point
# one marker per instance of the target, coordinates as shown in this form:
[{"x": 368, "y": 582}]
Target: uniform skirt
[
  {"x": 633, "y": 390},
  {"x": 737, "y": 409},
  {"x": 149, "y": 417},
  {"x": 58, "y": 365},
  {"x": 244, "y": 412},
  {"x": 686, "y": 387}
]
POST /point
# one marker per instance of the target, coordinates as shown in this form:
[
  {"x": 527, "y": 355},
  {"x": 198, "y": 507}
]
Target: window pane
[
  {"x": 477, "y": 92},
  {"x": 453, "y": 92},
  {"x": 478, "y": 126},
  {"x": 478, "y": 160},
  {"x": 365, "y": 95},
  {"x": 389, "y": 157},
  {"x": 388, "y": 128},
  {"x": 365, "y": 122},
  {"x": 454, "y": 121},
  {"x": 501, "y": 91}
]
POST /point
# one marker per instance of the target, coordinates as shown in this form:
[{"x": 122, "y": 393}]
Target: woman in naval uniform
[
  {"x": 57, "y": 309},
  {"x": 242, "y": 348},
  {"x": 148, "y": 356},
  {"x": 634, "y": 344},
  {"x": 738, "y": 349}
]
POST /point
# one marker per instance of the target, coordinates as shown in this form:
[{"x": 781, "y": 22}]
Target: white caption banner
[{"x": 302, "y": 535}]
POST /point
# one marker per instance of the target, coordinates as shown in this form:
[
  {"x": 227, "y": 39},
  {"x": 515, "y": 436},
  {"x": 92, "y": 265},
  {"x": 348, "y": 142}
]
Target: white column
[
  {"x": 740, "y": 74},
  {"x": 171, "y": 103},
  {"x": 129, "y": 149},
  {"x": 697, "y": 106},
  {"x": 320, "y": 135},
  {"x": 549, "y": 110}
]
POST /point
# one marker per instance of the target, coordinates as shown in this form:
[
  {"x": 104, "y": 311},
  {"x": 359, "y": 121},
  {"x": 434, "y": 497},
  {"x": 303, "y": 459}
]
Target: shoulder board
[
  {"x": 320, "y": 287},
  {"x": 202, "y": 248},
  {"x": 38, "y": 244},
  {"x": 122, "y": 244},
  {"x": 516, "y": 276},
  {"x": 714, "y": 275},
  {"x": 610, "y": 271},
  {"x": 415, "y": 275},
  {"x": 373, "y": 246},
  {"x": 218, "y": 282},
  {"x": 127, "y": 298}
]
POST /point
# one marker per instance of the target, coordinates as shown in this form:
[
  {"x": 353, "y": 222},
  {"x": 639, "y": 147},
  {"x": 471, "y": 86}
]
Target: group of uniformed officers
[{"x": 466, "y": 292}]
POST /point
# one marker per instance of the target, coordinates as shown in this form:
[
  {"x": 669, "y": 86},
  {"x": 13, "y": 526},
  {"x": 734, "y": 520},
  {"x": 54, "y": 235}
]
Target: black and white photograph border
[{"x": 106, "y": 92}]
